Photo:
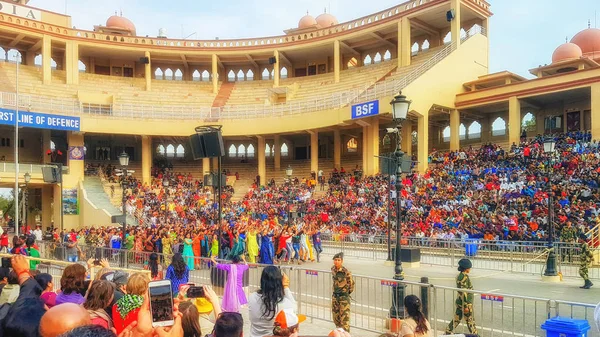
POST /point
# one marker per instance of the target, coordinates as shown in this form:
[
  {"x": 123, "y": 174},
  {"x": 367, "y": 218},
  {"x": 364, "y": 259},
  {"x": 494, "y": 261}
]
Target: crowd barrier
[
  {"x": 496, "y": 314},
  {"x": 510, "y": 256}
]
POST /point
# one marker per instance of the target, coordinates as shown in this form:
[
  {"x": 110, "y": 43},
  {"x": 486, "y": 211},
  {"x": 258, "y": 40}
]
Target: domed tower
[
  {"x": 326, "y": 20},
  {"x": 589, "y": 42},
  {"x": 118, "y": 25},
  {"x": 307, "y": 21}
]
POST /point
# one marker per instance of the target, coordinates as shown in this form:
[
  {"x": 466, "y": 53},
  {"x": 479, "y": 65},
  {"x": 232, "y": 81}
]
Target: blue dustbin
[
  {"x": 566, "y": 327},
  {"x": 470, "y": 247}
]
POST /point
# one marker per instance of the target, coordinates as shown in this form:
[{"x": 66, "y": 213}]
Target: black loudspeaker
[
  {"x": 207, "y": 145},
  {"x": 144, "y": 60},
  {"x": 450, "y": 15},
  {"x": 211, "y": 180},
  {"x": 272, "y": 60},
  {"x": 51, "y": 174}
]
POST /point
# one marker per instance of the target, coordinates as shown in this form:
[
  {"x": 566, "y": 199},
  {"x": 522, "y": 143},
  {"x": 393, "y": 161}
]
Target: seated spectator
[
  {"x": 229, "y": 324},
  {"x": 48, "y": 295},
  {"x": 62, "y": 318},
  {"x": 72, "y": 283},
  {"x": 89, "y": 331},
  {"x": 191, "y": 320},
  {"x": 416, "y": 325},
  {"x": 99, "y": 297},
  {"x": 206, "y": 306},
  {"x": 126, "y": 310},
  {"x": 23, "y": 318},
  {"x": 287, "y": 323},
  {"x": 10, "y": 292}
]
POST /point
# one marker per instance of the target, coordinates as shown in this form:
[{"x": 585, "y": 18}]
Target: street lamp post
[
  {"x": 26, "y": 199},
  {"x": 124, "y": 161},
  {"x": 400, "y": 106},
  {"x": 549, "y": 144},
  {"x": 289, "y": 172}
]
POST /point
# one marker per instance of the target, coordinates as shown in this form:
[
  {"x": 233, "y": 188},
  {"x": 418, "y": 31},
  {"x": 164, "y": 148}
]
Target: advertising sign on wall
[
  {"x": 40, "y": 120},
  {"x": 70, "y": 201}
]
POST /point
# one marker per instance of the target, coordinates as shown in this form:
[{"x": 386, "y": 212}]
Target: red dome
[
  {"x": 326, "y": 20},
  {"x": 588, "y": 40},
  {"x": 120, "y": 22},
  {"x": 566, "y": 51},
  {"x": 307, "y": 21}
]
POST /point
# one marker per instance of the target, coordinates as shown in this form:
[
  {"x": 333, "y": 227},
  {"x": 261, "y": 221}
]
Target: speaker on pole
[
  {"x": 272, "y": 60},
  {"x": 450, "y": 15},
  {"x": 207, "y": 145}
]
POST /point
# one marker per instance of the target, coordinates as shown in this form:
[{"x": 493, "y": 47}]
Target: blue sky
[{"x": 523, "y": 33}]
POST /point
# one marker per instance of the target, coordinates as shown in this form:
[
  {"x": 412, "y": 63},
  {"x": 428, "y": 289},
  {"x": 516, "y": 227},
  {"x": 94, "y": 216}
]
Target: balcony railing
[{"x": 68, "y": 106}]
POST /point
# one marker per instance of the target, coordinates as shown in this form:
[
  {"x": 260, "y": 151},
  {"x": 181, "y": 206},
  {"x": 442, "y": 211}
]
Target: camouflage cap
[{"x": 339, "y": 255}]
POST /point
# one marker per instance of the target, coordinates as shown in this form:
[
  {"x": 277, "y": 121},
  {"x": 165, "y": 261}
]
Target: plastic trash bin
[
  {"x": 566, "y": 327},
  {"x": 470, "y": 247}
]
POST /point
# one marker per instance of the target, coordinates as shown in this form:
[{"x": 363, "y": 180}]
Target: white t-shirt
[
  {"x": 260, "y": 326},
  {"x": 38, "y": 234}
]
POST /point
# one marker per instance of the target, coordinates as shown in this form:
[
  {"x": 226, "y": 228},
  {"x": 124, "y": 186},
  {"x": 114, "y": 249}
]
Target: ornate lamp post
[
  {"x": 289, "y": 172},
  {"x": 124, "y": 162},
  {"x": 26, "y": 199},
  {"x": 400, "y": 107},
  {"x": 549, "y": 144}
]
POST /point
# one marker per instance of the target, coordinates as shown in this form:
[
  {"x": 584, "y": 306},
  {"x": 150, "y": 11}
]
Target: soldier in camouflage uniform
[
  {"x": 585, "y": 260},
  {"x": 464, "y": 301},
  {"x": 568, "y": 234},
  {"x": 343, "y": 286}
]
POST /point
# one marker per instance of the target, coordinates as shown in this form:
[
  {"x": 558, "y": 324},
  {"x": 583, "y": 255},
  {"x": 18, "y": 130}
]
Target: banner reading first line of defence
[{"x": 40, "y": 120}]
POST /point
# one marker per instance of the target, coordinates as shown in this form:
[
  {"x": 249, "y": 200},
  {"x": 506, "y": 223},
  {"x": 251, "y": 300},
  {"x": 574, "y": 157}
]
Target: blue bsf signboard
[
  {"x": 365, "y": 109},
  {"x": 40, "y": 120}
]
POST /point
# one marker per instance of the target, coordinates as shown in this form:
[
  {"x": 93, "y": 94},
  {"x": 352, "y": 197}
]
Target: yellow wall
[{"x": 89, "y": 214}]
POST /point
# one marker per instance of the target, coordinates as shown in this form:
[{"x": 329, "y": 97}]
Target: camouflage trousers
[
  {"x": 583, "y": 272},
  {"x": 459, "y": 313},
  {"x": 340, "y": 310}
]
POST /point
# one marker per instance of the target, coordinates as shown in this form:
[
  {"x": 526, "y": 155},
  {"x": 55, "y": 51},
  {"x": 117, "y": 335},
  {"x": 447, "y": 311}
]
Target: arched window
[
  {"x": 387, "y": 56},
  {"x": 265, "y": 74},
  {"x": 232, "y": 152},
  {"x": 250, "y": 75},
  {"x": 448, "y": 38},
  {"x": 180, "y": 151},
  {"x": 205, "y": 76},
  {"x": 231, "y": 76},
  {"x": 463, "y": 33},
  {"x": 352, "y": 63},
  {"x": 269, "y": 150},
  {"x": 178, "y": 75},
  {"x": 196, "y": 76},
  {"x": 474, "y": 130},
  {"x": 446, "y": 134},
  {"x": 158, "y": 74},
  {"x": 499, "y": 127},
  {"x": 169, "y": 74},
  {"x": 272, "y": 73},
  {"x": 241, "y": 151},
  {"x": 170, "y": 150},
  {"x": 425, "y": 45},
  {"x": 367, "y": 60},
  {"x": 377, "y": 58},
  {"x": 415, "y": 48},
  {"x": 14, "y": 56},
  {"x": 284, "y": 150},
  {"x": 284, "y": 72},
  {"x": 475, "y": 29},
  {"x": 240, "y": 75},
  {"x": 2, "y": 54},
  {"x": 528, "y": 123},
  {"x": 82, "y": 67},
  {"x": 160, "y": 150},
  {"x": 352, "y": 145},
  {"x": 462, "y": 132},
  {"x": 250, "y": 151},
  {"x": 53, "y": 64},
  {"x": 37, "y": 61}
]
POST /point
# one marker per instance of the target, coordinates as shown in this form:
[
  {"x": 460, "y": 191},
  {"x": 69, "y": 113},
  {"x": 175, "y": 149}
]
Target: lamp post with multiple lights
[{"x": 551, "y": 269}]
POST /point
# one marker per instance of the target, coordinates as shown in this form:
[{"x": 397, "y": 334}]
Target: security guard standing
[
  {"x": 464, "y": 300},
  {"x": 343, "y": 286},
  {"x": 585, "y": 260}
]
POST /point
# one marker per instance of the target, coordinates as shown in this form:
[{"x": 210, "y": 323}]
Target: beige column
[
  {"x": 454, "y": 130},
  {"x": 72, "y": 62},
  {"x": 595, "y": 107},
  {"x": 373, "y": 147},
  {"x": 539, "y": 122},
  {"x": 314, "y": 151},
  {"x": 455, "y": 24},
  {"x": 76, "y": 167},
  {"x": 47, "y": 197},
  {"x": 205, "y": 166},
  {"x": 215, "y": 73},
  {"x": 423, "y": 143},
  {"x": 364, "y": 146},
  {"x": 148, "y": 71},
  {"x": 406, "y": 137},
  {"x": 277, "y": 152},
  {"x": 29, "y": 58},
  {"x": 276, "y": 69},
  {"x": 337, "y": 149},
  {"x": 46, "y": 59},
  {"x": 262, "y": 167},
  {"x": 56, "y": 195},
  {"x": 146, "y": 159},
  {"x": 336, "y": 61},
  {"x": 404, "y": 42},
  {"x": 514, "y": 120}
]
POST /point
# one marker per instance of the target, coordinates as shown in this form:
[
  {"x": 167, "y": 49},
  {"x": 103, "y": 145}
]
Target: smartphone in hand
[
  {"x": 195, "y": 292},
  {"x": 161, "y": 303}
]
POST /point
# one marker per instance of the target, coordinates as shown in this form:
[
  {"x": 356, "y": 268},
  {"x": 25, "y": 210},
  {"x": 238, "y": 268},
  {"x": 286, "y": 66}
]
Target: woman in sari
[
  {"x": 266, "y": 248},
  {"x": 238, "y": 247},
  {"x": 252, "y": 245},
  {"x": 233, "y": 295}
]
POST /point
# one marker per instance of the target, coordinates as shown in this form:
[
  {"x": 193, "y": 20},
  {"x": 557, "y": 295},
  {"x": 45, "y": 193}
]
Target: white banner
[{"x": 24, "y": 12}]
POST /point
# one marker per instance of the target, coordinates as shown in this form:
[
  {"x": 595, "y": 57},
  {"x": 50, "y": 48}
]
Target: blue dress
[{"x": 266, "y": 249}]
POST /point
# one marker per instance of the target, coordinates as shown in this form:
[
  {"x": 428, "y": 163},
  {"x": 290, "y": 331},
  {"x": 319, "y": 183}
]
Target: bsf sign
[
  {"x": 491, "y": 297},
  {"x": 365, "y": 109}
]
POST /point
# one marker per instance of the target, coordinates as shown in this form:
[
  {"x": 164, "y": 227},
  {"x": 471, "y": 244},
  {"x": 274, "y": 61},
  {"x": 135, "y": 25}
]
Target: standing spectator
[
  {"x": 72, "y": 283},
  {"x": 126, "y": 310},
  {"x": 72, "y": 250},
  {"x": 229, "y": 324},
  {"x": 273, "y": 296},
  {"x": 31, "y": 251},
  {"x": 98, "y": 297},
  {"x": 178, "y": 273},
  {"x": 37, "y": 232},
  {"x": 4, "y": 242},
  {"x": 343, "y": 286},
  {"x": 48, "y": 295},
  {"x": 156, "y": 269}
]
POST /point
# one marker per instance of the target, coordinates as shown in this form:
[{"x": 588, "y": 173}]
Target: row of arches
[
  {"x": 248, "y": 151},
  {"x": 372, "y": 59},
  {"x": 171, "y": 151},
  {"x": 473, "y": 131},
  {"x": 168, "y": 74}
]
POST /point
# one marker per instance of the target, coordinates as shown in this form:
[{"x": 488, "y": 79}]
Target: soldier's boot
[{"x": 588, "y": 284}]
